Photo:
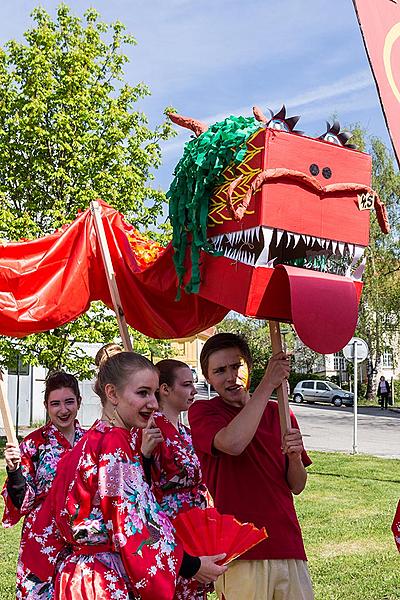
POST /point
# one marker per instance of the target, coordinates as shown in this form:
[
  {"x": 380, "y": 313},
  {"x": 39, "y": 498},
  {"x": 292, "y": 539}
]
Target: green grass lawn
[{"x": 345, "y": 513}]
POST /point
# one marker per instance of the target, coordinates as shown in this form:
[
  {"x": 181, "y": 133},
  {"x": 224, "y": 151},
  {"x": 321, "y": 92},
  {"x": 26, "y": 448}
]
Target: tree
[
  {"x": 305, "y": 360},
  {"x": 256, "y": 334},
  {"x": 70, "y": 132},
  {"x": 380, "y": 302}
]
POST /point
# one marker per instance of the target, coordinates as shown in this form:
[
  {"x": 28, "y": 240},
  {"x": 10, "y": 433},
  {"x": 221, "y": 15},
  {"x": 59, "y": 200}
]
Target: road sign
[{"x": 362, "y": 350}]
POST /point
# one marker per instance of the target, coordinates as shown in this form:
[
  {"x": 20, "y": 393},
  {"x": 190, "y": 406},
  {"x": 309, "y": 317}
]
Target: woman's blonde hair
[
  {"x": 106, "y": 351},
  {"x": 116, "y": 369}
]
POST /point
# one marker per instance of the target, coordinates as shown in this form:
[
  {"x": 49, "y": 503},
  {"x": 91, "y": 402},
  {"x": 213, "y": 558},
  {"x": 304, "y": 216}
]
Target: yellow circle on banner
[{"x": 392, "y": 36}]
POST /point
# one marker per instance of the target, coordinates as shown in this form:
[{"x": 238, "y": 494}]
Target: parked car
[
  {"x": 314, "y": 390},
  {"x": 194, "y": 373}
]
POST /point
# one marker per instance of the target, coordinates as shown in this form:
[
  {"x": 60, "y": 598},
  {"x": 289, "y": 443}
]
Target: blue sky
[{"x": 212, "y": 58}]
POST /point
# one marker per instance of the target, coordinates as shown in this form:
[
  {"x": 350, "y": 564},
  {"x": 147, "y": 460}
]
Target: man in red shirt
[{"x": 251, "y": 471}]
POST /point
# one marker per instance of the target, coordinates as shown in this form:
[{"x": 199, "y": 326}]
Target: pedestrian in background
[{"x": 383, "y": 392}]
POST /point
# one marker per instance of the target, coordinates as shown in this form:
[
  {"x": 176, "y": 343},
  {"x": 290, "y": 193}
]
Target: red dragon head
[{"x": 286, "y": 223}]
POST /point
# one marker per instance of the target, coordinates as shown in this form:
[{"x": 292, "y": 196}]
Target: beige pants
[{"x": 265, "y": 580}]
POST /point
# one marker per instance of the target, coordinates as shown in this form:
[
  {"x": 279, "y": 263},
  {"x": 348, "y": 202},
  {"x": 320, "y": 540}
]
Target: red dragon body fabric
[{"x": 272, "y": 224}]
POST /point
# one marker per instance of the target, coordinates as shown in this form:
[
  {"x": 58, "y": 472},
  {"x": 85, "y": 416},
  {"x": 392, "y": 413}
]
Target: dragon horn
[
  {"x": 197, "y": 126},
  {"x": 259, "y": 115},
  {"x": 381, "y": 215}
]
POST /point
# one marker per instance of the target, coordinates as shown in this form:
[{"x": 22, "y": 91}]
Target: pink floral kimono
[
  {"x": 41, "y": 452},
  {"x": 177, "y": 483},
  {"x": 120, "y": 544}
]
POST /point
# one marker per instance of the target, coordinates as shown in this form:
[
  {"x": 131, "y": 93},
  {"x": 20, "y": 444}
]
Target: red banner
[{"x": 380, "y": 27}]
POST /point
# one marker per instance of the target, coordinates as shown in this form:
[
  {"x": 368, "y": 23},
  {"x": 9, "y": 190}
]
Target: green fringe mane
[{"x": 196, "y": 176}]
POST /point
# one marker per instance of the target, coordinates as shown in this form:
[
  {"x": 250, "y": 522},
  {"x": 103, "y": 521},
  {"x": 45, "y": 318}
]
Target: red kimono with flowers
[
  {"x": 41, "y": 452},
  {"x": 177, "y": 483},
  {"x": 396, "y": 527},
  {"x": 121, "y": 544}
]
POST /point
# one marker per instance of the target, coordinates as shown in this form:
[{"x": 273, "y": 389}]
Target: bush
[
  {"x": 256, "y": 376},
  {"x": 396, "y": 391}
]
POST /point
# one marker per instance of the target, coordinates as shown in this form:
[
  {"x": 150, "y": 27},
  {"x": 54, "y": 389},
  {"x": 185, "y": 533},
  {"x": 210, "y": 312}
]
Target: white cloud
[{"x": 342, "y": 96}]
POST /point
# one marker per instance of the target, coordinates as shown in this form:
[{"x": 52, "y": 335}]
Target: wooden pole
[
  {"x": 95, "y": 209},
  {"x": 282, "y": 391},
  {"x": 6, "y": 414}
]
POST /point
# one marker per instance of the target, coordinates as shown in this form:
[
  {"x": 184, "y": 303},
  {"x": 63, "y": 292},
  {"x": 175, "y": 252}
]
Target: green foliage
[
  {"x": 396, "y": 391},
  {"x": 60, "y": 348},
  {"x": 305, "y": 360},
  {"x": 255, "y": 332},
  {"x": 380, "y": 302},
  {"x": 70, "y": 132},
  {"x": 196, "y": 175},
  {"x": 345, "y": 514}
]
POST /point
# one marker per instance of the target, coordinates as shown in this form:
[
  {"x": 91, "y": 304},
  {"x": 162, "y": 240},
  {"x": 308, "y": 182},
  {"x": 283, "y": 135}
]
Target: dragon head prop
[{"x": 273, "y": 224}]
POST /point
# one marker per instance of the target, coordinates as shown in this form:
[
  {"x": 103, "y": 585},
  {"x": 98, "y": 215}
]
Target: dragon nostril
[
  {"x": 314, "y": 169},
  {"x": 326, "y": 172}
]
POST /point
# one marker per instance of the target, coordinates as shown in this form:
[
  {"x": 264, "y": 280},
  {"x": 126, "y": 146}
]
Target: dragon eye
[
  {"x": 326, "y": 172},
  {"x": 278, "y": 124},
  {"x": 314, "y": 169}
]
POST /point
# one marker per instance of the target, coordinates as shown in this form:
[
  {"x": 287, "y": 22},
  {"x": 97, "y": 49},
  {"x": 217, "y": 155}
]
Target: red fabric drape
[{"x": 50, "y": 281}]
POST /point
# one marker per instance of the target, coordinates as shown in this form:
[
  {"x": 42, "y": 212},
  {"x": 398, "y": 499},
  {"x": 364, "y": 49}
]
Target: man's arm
[
  {"x": 236, "y": 436},
  {"x": 296, "y": 474}
]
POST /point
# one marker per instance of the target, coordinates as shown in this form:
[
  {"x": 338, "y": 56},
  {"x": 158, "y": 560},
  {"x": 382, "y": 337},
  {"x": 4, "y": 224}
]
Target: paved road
[{"x": 331, "y": 429}]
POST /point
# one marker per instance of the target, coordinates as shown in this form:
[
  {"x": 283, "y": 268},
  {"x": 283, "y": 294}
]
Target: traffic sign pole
[
  {"x": 356, "y": 350},
  {"x": 355, "y": 448}
]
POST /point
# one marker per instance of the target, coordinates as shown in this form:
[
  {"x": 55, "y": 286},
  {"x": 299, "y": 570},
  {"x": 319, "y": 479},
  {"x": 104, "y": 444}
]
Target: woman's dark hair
[
  {"x": 167, "y": 369},
  {"x": 221, "y": 341},
  {"x": 117, "y": 368},
  {"x": 58, "y": 380}
]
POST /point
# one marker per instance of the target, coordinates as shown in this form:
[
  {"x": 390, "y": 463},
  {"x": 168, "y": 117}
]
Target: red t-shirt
[{"x": 251, "y": 486}]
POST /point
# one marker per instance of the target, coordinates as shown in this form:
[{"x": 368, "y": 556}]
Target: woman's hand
[
  {"x": 209, "y": 570},
  {"x": 12, "y": 456},
  {"x": 151, "y": 437}
]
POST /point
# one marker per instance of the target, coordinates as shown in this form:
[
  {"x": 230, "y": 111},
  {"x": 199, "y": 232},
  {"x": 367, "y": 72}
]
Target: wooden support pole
[
  {"x": 282, "y": 391},
  {"x": 6, "y": 414},
  {"x": 95, "y": 209}
]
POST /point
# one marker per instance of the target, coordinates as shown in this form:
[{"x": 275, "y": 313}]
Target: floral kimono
[
  {"x": 121, "y": 545},
  {"x": 178, "y": 485},
  {"x": 41, "y": 451},
  {"x": 396, "y": 527}
]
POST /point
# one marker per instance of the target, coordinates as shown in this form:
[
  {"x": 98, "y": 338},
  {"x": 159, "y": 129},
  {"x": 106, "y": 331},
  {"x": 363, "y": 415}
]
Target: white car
[{"x": 315, "y": 390}]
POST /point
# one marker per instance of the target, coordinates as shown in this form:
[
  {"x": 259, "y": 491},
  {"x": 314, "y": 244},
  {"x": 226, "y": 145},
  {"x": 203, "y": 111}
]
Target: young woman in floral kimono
[
  {"x": 121, "y": 544},
  {"x": 32, "y": 467},
  {"x": 170, "y": 460}
]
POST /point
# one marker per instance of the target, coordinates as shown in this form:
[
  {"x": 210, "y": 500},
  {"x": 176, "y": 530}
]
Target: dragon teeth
[
  {"x": 296, "y": 238},
  {"x": 244, "y": 241}
]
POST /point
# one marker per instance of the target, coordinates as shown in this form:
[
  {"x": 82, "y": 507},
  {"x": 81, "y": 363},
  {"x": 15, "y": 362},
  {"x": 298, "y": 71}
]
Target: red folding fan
[{"x": 204, "y": 532}]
